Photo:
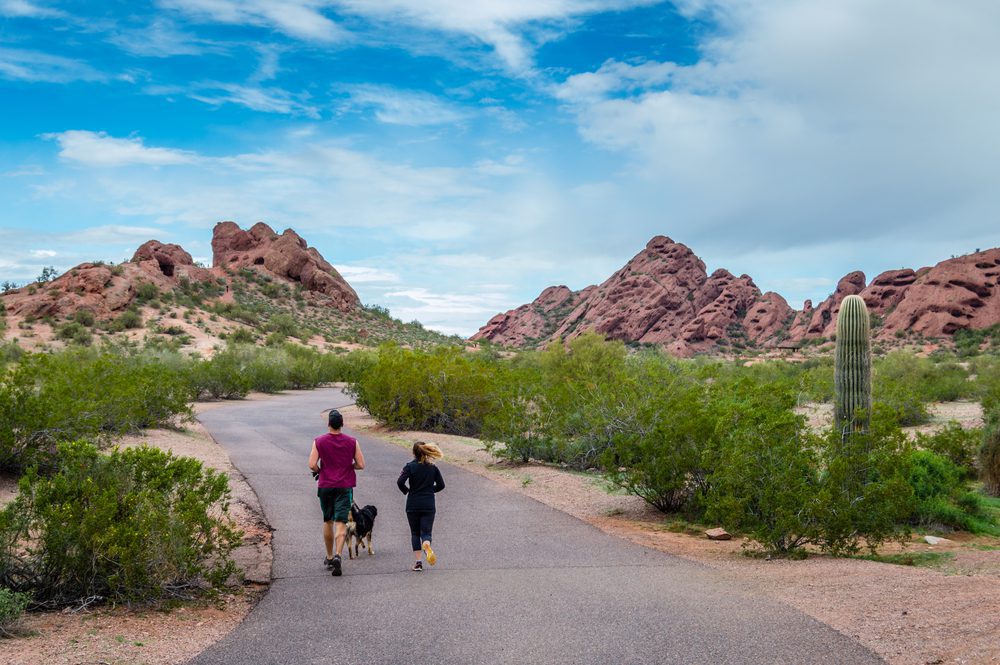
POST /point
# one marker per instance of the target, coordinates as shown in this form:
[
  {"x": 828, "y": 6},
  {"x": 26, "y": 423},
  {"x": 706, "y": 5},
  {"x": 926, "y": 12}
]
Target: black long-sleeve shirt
[{"x": 424, "y": 481}]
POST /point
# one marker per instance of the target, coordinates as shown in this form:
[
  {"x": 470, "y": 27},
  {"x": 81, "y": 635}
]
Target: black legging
[{"x": 421, "y": 524}]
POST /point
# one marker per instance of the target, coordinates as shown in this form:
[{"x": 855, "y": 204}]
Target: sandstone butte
[
  {"x": 664, "y": 296},
  {"x": 107, "y": 290}
]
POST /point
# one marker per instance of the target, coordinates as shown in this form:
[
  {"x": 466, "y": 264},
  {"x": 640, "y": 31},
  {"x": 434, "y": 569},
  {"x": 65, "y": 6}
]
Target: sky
[{"x": 452, "y": 158}]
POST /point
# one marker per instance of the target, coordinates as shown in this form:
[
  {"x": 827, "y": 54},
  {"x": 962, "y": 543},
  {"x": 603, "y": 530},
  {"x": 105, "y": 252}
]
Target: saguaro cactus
[{"x": 852, "y": 374}]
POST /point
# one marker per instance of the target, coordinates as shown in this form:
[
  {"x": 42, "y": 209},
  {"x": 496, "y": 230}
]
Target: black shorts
[{"x": 335, "y": 502}]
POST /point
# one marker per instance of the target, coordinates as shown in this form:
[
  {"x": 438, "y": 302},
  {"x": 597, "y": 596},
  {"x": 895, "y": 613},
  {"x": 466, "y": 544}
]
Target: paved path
[{"x": 516, "y": 581}]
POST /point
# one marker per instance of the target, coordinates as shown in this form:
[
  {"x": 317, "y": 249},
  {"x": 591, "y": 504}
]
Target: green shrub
[
  {"x": 127, "y": 320},
  {"x": 943, "y": 500},
  {"x": 989, "y": 456},
  {"x": 787, "y": 488},
  {"x": 659, "y": 429},
  {"x": 135, "y": 525},
  {"x": 84, "y": 317},
  {"x": 241, "y": 336},
  {"x": 284, "y": 324},
  {"x": 956, "y": 444},
  {"x": 12, "y": 606},
  {"x": 444, "y": 390},
  {"x": 766, "y": 483},
  {"x": 146, "y": 291},
  {"x": 79, "y": 393}
]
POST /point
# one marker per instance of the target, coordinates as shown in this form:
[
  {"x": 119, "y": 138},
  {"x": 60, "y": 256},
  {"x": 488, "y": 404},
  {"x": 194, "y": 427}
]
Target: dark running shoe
[
  {"x": 337, "y": 572},
  {"x": 328, "y": 563},
  {"x": 418, "y": 566}
]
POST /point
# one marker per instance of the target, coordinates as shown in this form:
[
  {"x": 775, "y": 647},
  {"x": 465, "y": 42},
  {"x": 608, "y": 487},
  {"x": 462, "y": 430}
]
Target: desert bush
[
  {"x": 901, "y": 402},
  {"x": 78, "y": 393},
  {"x": 284, "y": 324},
  {"x": 864, "y": 495},
  {"x": 787, "y": 488},
  {"x": 84, "y": 317},
  {"x": 989, "y": 456},
  {"x": 146, "y": 291},
  {"x": 766, "y": 483},
  {"x": 12, "y": 606},
  {"x": 134, "y": 525},
  {"x": 956, "y": 444},
  {"x": 127, "y": 320},
  {"x": 222, "y": 377},
  {"x": 660, "y": 426},
  {"x": 943, "y": 500},
  {"x": 10, "y": 352},
  {"x": 444, "y": 390},
  {"x": 241, "y": 336}
]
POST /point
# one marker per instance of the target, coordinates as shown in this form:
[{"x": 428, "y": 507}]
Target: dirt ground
[
  {"x": 908, "y": 615},
  {"x": 149, "y": 636}
]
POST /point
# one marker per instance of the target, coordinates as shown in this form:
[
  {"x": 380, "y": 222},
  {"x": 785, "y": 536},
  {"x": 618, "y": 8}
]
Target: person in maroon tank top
[{"x": 334, "y": 459}]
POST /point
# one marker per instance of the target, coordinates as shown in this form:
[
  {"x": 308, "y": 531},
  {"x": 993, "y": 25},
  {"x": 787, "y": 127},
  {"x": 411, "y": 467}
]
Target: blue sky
[{"x": 454, "y": 158}]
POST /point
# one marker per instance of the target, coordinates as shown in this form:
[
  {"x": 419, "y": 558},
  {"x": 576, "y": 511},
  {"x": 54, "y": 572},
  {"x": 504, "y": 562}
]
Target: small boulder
[
  {"x": 934, "y": 540},
  {"x": 718, "y": 534}
]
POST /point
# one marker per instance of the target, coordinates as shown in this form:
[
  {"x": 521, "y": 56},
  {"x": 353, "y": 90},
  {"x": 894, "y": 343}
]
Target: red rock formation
[
  {"x": 529, "y": 323},
  {"x": 107, "y": 290},
  {"x": 767, "y": 318},
  {"x": 824, "y": 318},
  {"x": 661, "y": 296},
  {"x": 286, "y": 255},
  {"x": 957, "y": 293}
]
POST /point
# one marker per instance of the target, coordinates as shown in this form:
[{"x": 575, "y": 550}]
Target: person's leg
[
  {"x": 414, "y": 521},
  {"x": 426, "y": 527},
  {"x": 341, "y": 528},
  {"x": 342, "y": 509},
  {"x": 328, "y": 538}
]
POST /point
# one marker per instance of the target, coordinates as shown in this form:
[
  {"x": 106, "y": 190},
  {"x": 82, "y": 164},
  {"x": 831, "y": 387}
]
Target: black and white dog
[{"x": 359, "y": 529}]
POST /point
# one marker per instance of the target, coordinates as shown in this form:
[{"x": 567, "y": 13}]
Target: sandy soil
[
  {"x": 149, "y": 635},
  {"x": 908, "y": 615}
]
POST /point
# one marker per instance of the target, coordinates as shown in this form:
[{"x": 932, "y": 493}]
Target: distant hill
[
  {"x": 262, "y": 286},
  {"x": 664, "y": 296}
]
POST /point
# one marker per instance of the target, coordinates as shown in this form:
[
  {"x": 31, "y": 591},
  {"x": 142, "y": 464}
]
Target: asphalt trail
[{"x": 516, "y": 581}]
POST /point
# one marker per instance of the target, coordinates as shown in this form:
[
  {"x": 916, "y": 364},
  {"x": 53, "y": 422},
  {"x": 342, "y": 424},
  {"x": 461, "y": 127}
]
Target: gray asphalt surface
[{"x": 515, "y": 582}]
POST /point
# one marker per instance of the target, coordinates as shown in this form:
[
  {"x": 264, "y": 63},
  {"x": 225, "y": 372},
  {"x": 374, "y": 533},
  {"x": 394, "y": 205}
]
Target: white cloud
[
  {"x": 301, "y": 19},
  {"x": 404, "y": 107},
  {"x": 367, "y": 275},
  {"x": 266, "y": 100},
  {"x": 27, "y": 170},
  {"x": 160, "y": 39},
  {"x": 99, "y": 149},
  {"x": 806, "y": 121},
  {"x": 25, "y": 9},
  {"x": 502, "y": 24},
  {"x": 34, "y": 66},
  {"x": 614, "y": 77},
  {"x": 450, "y": 313},
  {"x": 43, "y": 253}
]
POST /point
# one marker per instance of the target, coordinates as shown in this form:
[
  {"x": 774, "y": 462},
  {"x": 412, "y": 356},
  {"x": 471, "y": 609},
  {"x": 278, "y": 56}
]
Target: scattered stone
[
  {"x": 718, "y": 534},
  {"x": 934, "y": 540}
]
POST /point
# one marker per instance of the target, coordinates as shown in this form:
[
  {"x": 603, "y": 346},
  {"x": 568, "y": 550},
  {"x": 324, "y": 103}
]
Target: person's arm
[
  {"x": 359, "y": 459},
  {"x": 314, "y": 459},
  {"x": 438, "y": 480},
  {"x": 401, "y": 483}
]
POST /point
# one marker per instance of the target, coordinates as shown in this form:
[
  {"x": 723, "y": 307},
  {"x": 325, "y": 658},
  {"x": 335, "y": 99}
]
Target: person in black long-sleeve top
[{"x": 424, "y": 480}]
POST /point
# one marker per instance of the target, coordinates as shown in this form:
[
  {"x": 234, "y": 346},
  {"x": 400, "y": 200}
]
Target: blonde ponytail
[{"x": 426, "y": 453}]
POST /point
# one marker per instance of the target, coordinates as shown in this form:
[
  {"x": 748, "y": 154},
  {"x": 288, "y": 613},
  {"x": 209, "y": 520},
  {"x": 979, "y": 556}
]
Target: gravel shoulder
[{"x": 907, "y": 615}]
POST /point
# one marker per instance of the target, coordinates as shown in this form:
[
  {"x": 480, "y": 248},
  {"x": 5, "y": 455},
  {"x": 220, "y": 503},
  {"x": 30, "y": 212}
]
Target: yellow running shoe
[{"x": 429, "y": 553}]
